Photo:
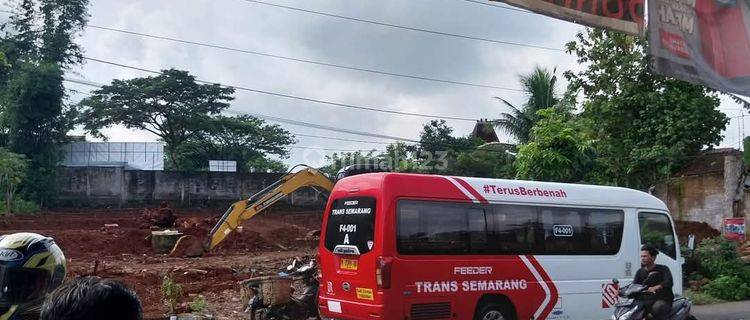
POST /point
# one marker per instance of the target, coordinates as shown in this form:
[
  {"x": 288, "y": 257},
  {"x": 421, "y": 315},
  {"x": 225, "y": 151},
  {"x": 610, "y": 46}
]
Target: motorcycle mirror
[{"x": 292, "y": 266}]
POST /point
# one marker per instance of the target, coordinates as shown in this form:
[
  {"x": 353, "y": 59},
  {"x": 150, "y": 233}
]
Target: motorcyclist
[
  {"x": 31, "y": 265},
  {"x": 658, "y": 279}
]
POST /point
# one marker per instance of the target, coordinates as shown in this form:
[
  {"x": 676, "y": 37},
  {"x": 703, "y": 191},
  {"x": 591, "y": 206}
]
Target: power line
[
  {"x": 302, "y": 60},
  {"x": 288, "y": 121},
  {"x": 499, "y": 6},
  {"x": 339, "y": 139},
  {"x": 454, "y": 35},
  {"x": 332, "y": 149},
  {"x": 321, "y": 127},
  {"x": 289, "y": 96},
  {"x": 329, "y": 128}
]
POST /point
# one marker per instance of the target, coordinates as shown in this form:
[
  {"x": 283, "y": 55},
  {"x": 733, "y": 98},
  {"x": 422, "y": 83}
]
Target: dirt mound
[
  {"x": 701, "y": 230},
  {"x": 264, "y": 245}
]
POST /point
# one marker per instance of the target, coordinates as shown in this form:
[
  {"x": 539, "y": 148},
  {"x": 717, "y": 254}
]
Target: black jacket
[{"x": 660, "y": 276}]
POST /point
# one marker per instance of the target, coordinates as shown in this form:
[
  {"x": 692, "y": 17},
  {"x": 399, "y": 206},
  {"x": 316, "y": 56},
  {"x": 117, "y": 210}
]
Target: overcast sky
[{"x": 257, "y": 27}]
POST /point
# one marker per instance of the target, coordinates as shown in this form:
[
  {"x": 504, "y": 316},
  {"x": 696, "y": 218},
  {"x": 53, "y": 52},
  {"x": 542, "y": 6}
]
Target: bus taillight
[{"x": 383, "y": 272}]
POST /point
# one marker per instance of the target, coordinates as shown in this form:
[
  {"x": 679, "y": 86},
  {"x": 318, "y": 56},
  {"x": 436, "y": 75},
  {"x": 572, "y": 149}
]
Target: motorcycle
[
  {"x": 637, "y": 296},
  {"x": 273, "y": 297}
]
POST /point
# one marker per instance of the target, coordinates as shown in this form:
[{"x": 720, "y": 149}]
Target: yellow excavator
[{"x": 242, "y": 210}]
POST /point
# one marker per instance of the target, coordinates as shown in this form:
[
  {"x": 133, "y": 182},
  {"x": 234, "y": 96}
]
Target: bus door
[
  {"x": 657, "y": 230},
  {"x": 580, "y": 248},
  {"x": 433, "y": 239}
]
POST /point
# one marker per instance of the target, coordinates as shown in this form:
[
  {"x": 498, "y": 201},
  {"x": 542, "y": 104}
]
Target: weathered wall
[
  {"x": 96, "y": 186},
  {"x": 706, "y": 197}
]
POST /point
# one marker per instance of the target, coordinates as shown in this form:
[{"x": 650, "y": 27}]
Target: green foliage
[
  {"x": 645, "y": 125},
  {"x": 540, "y": 87},
  {"x": 263, "y": 164},
  {"x": 746, "y": 151},
  {"x": 438, "y": 149},
  {"x": 197, "y": 305},
  {"x": 557, "y": 150},
  {"x": 492, "y": 163},
  {"x": 13, "y": 168},
  {"x": 21, "y": 206},
  {"x": 170, "y": 105},
  {"x": 728, "y": 288},
  {"x": 701, "y": 298},
  {"x": 719, "y": 257},
  {"x": 338, "y": 161},
  {"x": 171, "y": 292},
  {"x": 244, "y": 139},
  {"x": 38, "y": 45}
]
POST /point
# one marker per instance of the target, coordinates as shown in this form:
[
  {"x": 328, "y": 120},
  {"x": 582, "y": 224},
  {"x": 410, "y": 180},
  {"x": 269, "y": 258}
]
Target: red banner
[{"x": 621, "y": 15}]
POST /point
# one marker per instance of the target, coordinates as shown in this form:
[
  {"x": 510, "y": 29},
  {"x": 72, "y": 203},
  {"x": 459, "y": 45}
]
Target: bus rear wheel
[{"x": 492, "y": 311}]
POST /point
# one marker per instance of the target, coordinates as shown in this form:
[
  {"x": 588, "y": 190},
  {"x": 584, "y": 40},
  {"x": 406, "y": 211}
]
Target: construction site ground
[{"x": 266, "y": 244}]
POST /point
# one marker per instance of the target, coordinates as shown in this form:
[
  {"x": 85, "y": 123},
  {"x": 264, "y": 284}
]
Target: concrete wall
[
  {"x": 707, "y": 197},
  {"x": 116, "y": 186}
]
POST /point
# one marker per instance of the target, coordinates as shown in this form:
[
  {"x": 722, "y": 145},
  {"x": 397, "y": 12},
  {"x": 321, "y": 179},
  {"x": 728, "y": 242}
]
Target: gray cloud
[{"x": 239, "y": 24}]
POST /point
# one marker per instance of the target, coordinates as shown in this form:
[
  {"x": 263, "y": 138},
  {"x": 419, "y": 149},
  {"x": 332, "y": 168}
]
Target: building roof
[{"x": 484, "y": 130}]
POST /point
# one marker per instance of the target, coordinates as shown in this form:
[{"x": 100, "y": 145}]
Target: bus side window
[
  {"x": 656, "y": 230},
  {"x": 511, "y": 229}
]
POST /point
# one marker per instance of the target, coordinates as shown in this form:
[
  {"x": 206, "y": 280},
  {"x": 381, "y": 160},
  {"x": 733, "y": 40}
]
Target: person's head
[
  {"x": 648, "y": 254},
  {"x": 92, "y": 298},
  {"x": 31, "y": 265}
]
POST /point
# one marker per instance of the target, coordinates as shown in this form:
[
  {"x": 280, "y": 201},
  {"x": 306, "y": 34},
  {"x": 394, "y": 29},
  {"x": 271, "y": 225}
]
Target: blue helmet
[{"x": 31, "y": 265}]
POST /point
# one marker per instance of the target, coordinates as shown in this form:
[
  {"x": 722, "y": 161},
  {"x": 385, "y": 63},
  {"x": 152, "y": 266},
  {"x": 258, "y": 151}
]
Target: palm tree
[{"x": 540, "y": 89}]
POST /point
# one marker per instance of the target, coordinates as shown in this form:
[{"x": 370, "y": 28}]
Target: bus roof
[{"x": 486, "y": 190}]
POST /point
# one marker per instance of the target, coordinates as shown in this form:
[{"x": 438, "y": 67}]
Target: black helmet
[{"x": 31, "y": 265}]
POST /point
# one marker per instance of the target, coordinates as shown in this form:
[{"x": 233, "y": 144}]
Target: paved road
[{"x": 723, "y": 311}]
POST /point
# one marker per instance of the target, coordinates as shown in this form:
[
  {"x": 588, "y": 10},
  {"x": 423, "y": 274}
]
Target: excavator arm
[{"x": 246, "y": 209}]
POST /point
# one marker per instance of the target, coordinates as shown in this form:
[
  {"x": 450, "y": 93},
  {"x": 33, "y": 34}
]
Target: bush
[
  {"x": 21, "y": 206},
  {"x": 172, "y": 292},
  {"x": 720, "y": 257},
  {"x": 25, "y": 207},
  {"x": 728, "y": 288},
  {"x": 197, "y": 305}
]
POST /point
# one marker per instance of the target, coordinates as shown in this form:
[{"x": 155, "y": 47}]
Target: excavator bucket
[{"x": 189, "y": 247}]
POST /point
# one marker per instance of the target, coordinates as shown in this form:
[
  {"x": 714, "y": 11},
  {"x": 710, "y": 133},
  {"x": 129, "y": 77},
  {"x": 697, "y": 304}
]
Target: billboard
[
  {"x": 621, "y": 15},
  {"x": 702, "y": 41},
  {"x": 734, "y": 229}
]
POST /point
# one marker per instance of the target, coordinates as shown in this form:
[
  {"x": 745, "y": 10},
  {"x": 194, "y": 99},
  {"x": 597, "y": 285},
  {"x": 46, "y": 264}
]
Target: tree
[
  {"x": 540, "y": 88},
  {"x": 645, "y": 125},
  {"x": 170, "y": 105},
  {"x": 486, "y": 163},
  {"x": 264, "y": 164},
  {"x": 38, "y": 46},
  {"x": 438, "y": 149},
  {"x": 244, "y": 139},
  {"x": 558, "y": 151},
  {"x": 13, "y": 169},
  {"x": 338, "y": 161}
]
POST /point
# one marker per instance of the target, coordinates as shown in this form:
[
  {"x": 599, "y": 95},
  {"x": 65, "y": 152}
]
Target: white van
[{"x": 439, "y": 247}]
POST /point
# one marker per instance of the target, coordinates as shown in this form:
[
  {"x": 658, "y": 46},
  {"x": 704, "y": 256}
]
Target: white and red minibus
[{"x": 414, "y": 247}]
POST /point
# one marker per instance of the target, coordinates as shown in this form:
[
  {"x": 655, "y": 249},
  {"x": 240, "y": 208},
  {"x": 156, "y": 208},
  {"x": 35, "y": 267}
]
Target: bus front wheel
[{"x": 492, "y": 311}]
